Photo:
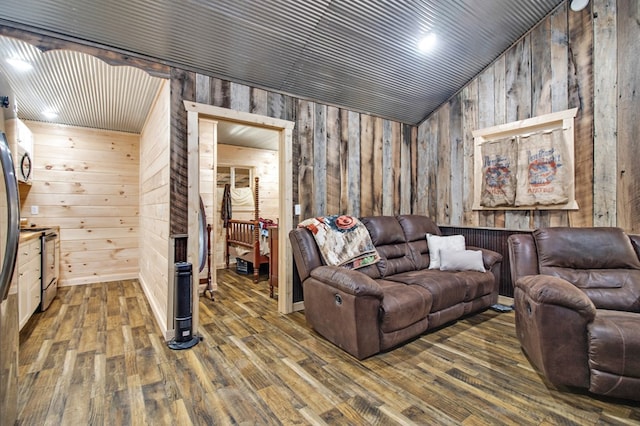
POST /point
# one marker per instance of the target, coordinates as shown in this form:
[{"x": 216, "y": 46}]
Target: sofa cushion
[
  {"x": 388, "y": 237},
  {"x": 614, "y": 345},
  {"x": 445, "y": 287},
  {"x": 436, "y": 243},
  {"x": 617, "y": 289},
  {"x": 415, "y": 229},
  {"x": 461, "y": 260},
  {"x": 402, "y": 305}
]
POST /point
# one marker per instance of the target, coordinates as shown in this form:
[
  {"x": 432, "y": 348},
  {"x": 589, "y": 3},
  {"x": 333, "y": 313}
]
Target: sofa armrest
[
  {"x": 347, "y": 280},
  {"x": 635, "y": 241},
  {"x": 552, "y": 321},
  {"x": 546, "y": 289},
  {"x": 489, "y": 257}
]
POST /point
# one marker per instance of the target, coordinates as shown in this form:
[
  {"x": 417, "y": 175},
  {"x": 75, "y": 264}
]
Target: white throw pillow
[
  {"x": 437, "y": 243},
  {"x": 461, "y": 260}
]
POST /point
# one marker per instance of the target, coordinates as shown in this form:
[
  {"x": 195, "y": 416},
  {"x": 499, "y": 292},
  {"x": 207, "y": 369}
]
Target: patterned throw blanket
[{"x": 343, "y": 241}]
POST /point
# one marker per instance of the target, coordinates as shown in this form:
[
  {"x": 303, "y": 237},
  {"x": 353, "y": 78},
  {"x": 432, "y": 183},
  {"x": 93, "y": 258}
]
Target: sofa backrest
[
  {"x": 601, "y": 261},
  {"x": 415, "y": 230},
  {"x": 388, "y": 237}
]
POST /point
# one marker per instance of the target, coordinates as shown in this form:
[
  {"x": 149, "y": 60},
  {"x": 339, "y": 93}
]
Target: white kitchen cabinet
[{"x": 29, "y": 273}]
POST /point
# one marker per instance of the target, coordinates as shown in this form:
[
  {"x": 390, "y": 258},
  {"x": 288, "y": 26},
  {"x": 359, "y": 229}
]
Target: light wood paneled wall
[
  {"x": 86, "y": 182},
  {"x": 155, "y": 244},
  {"x": 265, "y": 165}
]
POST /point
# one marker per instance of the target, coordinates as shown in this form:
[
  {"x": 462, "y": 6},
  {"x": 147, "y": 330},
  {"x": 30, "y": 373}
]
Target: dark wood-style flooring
[{"x": 97, "y": 357}]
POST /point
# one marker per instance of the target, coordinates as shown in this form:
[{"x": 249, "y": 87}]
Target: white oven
[{"x": 50, "y": 250}]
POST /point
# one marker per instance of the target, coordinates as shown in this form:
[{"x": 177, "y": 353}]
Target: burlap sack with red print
[
  {"x": 544, "y": 172},
  {"x": 498, "y": 172}
]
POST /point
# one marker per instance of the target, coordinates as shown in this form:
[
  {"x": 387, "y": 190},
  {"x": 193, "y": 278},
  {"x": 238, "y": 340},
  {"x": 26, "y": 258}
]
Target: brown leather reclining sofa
[
  {"x": 380, "y": 306},
  {"x": 577, "y": 300}
]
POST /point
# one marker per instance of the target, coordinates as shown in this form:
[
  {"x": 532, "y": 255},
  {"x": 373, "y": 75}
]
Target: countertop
[{"x": 28, "y": 234}]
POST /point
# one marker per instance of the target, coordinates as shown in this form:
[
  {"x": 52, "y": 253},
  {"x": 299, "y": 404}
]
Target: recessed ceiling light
[
  {"x": 50, "y": 114},
  {"x": 19, "y": 64},
  {"x": 578, "y": 5},
  {"x": 427, "y": 43}
]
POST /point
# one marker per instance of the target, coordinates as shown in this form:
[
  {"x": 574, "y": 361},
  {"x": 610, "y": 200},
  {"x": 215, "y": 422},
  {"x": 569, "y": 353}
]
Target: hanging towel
[{"x": 226, "y": 205}]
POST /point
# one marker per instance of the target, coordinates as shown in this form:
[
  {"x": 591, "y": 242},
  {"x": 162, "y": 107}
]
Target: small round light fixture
[
  {"x": 50, "y": 114},
  {"x": 427, "y": 43},
  {"x": 578, "y": 5},
  {"x": 19, "y": 64}
]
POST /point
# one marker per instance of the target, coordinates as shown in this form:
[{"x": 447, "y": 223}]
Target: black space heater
[{"x": 183, "y": 324}]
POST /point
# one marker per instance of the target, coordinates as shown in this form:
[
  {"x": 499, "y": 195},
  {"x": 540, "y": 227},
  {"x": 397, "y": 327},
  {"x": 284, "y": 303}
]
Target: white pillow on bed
[
  {"x": 437, "y": 243},
  {"x": 461, "y": 260}
]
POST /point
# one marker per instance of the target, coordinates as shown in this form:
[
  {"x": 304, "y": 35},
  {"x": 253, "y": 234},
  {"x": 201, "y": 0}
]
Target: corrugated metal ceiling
[
  {"x": 82, "y": 90},
  {"x": 353, "y": 53}
]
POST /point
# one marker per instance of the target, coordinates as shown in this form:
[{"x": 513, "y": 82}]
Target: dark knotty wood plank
[
  {"x": 559, "y": 82},
  {"x": 344, "y": 162},
  {"x": 258, "y": 101},
  {"x": 456, "y": 164},
  {"x": 518, "y": 106},
  {"x": 333, "y": 147},
  {"x": 431, "y": 168},
  {"x": 319, "y": 194},
  {"x": 422, "y": 165},
  {"x": 221, "y": 93},
  {"x": 486, "y": 118},
  {"x": 442, "y": 191},
  {"x": 182, "y": 88},
  {"x": 353, "y": 165},
  {"x": 305, "y": 126},
  {"x": 366, "y": 165},
  {"x": 470, "y": 105},
  {"x": 377, "y": 167},
  {"x": 396, "y": 141},
  {"x": 541, "y": 80},
  {"x": 581, "y": 96}
]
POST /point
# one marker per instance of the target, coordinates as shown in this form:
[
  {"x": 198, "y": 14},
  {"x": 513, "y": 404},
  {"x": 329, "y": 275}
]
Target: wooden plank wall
[
  {"x": 550, "y": 69},
  {"x": 628, "y": 122},
  {"x": 86, "y": 182},
  {"x": 339, "y": 155},
  {"x": 154, "y": 242}
]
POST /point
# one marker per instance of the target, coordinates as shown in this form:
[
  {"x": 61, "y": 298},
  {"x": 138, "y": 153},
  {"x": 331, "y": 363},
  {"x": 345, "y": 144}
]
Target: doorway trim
[{"x": 195, "y": 111}]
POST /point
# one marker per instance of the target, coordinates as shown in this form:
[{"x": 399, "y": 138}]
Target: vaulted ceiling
[{"x": 357, "y": 54}]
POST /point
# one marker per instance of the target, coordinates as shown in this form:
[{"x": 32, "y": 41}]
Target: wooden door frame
[{"x": 195, "y": 111}]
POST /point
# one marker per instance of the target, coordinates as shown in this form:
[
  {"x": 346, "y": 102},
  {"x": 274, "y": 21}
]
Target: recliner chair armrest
[
  {"x": 489, "y": 257},
  {"x": 347, "y": 280},
  {"x": 635, "y": 241},
  {"x": 546, "y": 289}
]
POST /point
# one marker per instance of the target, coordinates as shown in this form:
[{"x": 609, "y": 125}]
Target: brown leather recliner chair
[{"x": 577, "y": 301}]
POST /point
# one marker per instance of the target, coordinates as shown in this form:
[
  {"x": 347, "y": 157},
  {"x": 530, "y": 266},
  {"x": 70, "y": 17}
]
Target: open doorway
[
  {"x": 246, "y": 183},
  {"x": 197, "y": 112}
]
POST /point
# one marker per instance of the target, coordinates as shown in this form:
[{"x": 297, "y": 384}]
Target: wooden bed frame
[{"x": 246, "y": 234}]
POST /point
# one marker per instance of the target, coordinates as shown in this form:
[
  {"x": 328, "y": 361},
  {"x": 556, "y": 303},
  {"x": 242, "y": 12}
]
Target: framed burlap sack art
[
  {"x": 526, "y": 164},
  {"x": 543, "y": 174},
  {"x": 499, "y": 159}
]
